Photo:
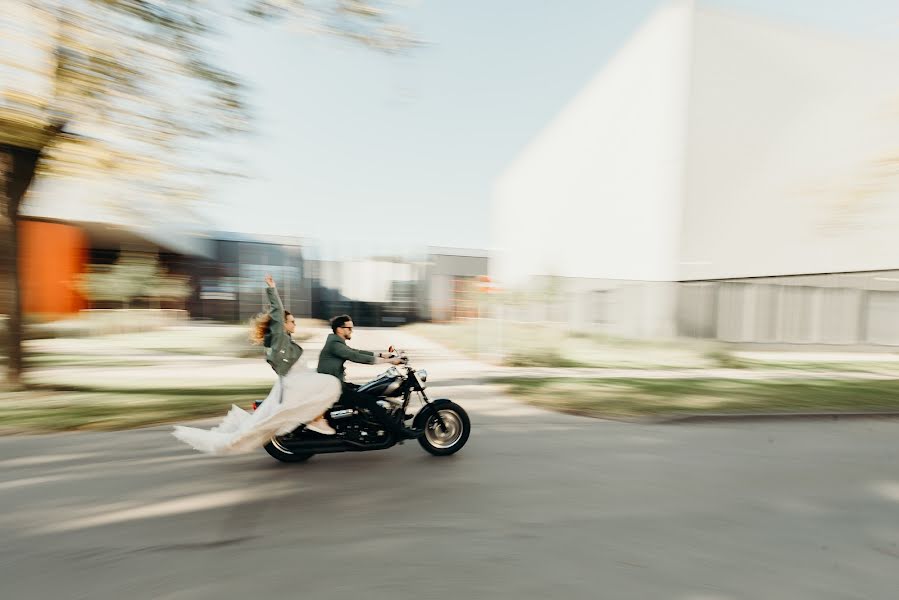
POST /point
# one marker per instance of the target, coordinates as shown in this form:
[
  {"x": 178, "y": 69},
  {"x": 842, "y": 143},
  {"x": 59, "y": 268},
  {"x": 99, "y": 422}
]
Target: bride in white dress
[{"x": 299, "y": 396}]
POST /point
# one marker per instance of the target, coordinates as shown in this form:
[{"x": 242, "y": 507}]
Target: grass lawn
[
  {"x": 97, "y": 382},
  {"x": 63, "y": 408},
  {"x": 635, "y": 398},
  {"x": 548, "y": 345}
]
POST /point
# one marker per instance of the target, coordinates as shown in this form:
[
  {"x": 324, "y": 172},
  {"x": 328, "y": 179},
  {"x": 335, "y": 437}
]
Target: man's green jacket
[{"x": 335, "y": 352}]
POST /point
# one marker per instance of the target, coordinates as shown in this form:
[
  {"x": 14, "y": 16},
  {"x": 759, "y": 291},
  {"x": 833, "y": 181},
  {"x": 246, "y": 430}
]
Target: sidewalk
[
  {"x": 739, "y": 374},
  {"x": 184, "y": 371},
  {"x": 170, "y": 368}
]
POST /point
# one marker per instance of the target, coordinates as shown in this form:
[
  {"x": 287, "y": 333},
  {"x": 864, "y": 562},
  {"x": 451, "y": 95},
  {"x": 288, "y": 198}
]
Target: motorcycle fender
[{"x": 422, "y": 417}]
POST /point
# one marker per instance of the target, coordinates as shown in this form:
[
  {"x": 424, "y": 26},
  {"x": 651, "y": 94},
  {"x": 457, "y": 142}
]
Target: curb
[{"x": 770, "y": 417}]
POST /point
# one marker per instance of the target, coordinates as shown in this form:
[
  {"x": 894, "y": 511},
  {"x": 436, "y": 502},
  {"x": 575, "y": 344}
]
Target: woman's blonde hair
[{"x": 260, "y": 325}]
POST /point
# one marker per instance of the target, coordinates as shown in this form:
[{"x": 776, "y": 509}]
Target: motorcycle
[{"x": 446, "y": 424}]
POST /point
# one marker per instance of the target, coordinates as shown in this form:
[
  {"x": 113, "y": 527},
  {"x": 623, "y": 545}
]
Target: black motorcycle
[{"x": 446, "y": 425}]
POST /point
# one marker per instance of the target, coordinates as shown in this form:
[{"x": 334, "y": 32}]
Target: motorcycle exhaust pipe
[{"x": 343, "y": 414}]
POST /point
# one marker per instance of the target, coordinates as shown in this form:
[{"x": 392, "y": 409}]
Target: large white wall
[
  {"x": 793, "y": 152},
  {"x": 713, "y": 145},
  {"x": 597, "y": 193}
]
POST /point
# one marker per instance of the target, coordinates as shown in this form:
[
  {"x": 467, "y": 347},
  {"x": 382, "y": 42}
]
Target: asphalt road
[{"x": 537, "y": 505}]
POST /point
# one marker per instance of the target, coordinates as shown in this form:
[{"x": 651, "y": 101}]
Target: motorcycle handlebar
[{"x": 395, "y": 353}]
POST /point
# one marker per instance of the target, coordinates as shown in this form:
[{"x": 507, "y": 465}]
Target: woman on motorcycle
[{"x": 299, "y": 396}]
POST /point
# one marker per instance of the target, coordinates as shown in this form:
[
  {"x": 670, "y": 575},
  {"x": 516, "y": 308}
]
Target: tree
[{"x": 130, "y": 90}]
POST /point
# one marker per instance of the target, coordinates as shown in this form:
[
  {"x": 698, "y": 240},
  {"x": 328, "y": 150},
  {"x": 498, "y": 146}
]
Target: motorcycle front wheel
[{"x": 448, "y": 439}]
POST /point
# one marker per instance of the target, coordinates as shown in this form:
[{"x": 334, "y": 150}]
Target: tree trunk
[{"x": 17, "y": 169}]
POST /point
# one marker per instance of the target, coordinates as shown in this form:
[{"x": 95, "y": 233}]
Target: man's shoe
[{"x": 321, "y": 426}]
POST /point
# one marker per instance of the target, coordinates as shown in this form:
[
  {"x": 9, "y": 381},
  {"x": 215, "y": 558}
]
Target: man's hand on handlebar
[{"x": 393, "y": 357}]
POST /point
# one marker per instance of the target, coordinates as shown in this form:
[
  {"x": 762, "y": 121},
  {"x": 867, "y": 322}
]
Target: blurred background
[{"x": 707, "y": 179}]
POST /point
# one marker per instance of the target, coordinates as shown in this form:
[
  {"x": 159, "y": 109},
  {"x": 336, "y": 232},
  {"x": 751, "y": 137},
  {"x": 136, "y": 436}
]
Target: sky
[{"x": 349, "y": 144}]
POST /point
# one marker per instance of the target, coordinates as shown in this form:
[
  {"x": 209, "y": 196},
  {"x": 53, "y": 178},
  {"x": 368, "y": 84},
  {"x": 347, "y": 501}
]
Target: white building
[{"x": 711, "y": 163}]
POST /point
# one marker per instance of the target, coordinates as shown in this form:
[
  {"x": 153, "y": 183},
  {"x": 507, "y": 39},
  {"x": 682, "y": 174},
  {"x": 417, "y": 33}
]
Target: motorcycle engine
[{"x": 361, "y": 431}]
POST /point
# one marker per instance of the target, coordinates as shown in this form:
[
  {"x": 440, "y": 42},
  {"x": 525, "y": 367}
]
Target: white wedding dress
[{"x": 298, "y": 397}]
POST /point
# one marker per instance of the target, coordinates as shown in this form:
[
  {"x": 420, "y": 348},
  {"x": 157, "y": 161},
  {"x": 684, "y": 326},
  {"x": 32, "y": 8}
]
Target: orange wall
[{"x": 50, "y": 256}]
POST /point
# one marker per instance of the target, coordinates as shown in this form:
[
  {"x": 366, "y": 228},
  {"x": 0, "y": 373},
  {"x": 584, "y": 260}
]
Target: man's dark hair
[{"x": 339, "y": 321}]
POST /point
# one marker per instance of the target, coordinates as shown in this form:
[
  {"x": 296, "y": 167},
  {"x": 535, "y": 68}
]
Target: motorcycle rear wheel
[{"x": 282, "y": 453}]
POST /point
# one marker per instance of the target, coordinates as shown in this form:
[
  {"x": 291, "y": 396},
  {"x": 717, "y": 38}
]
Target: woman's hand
[{"x": 269, "y": 281}]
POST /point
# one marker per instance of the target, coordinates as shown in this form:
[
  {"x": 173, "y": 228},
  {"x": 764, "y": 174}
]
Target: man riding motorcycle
[{"x": 331, "y": 362}]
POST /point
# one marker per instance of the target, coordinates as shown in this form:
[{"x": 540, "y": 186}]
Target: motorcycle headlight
[{"x": 422, "y": 377}]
